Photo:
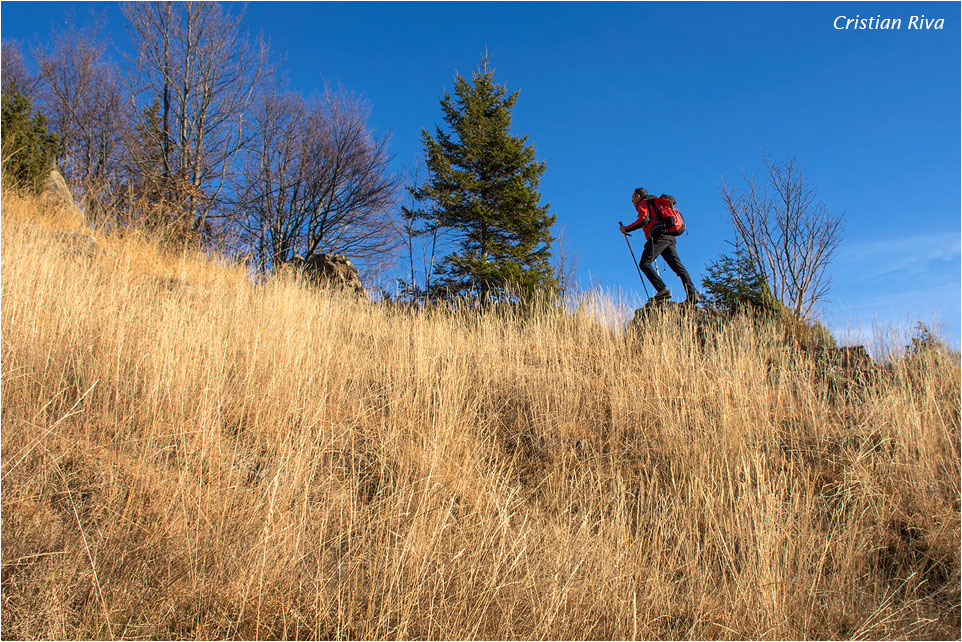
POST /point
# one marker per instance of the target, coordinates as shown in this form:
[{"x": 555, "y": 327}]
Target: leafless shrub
[
  {"x": 14, "y": 74},
  {"x": 200, "y": 70},
  {"x": 789, "y": 235},
  {"x": 316, "y": 180}
]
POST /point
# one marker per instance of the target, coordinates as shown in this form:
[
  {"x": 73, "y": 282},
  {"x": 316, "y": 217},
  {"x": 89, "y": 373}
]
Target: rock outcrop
[
  {"x": 330, "y": 270},
  {"x": 77, "y": 244},
  {"x": 704, "y": 321},
  {"x": 841, "y": 369},
  {"x": 56, "y": 196}
]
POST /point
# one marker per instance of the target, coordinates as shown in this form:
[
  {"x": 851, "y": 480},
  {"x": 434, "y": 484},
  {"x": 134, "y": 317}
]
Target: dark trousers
[{"x": 664, "y": 246}]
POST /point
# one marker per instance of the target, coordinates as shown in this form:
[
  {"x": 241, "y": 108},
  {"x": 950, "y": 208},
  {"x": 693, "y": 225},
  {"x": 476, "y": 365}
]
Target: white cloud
[{"x": 905, "y": 255}]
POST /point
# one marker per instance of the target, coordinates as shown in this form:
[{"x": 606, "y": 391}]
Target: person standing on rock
[{"x": 661, "y": 223}]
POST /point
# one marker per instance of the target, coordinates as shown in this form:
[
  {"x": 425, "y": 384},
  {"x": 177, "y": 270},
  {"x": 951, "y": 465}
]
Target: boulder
[
  {"x": 330, "y": 270},
  {"x": 843, "y": 369},
  {"x": 174, "y": 285},
  {"x": 840, "y": 370},
  {"x": 701, "y": 316},
  {"x": 77, "y": 244},
  {"x": 706, "y": 322},
  {"x": 56, "y": 196},
  {"x": 846, "y": 357}
]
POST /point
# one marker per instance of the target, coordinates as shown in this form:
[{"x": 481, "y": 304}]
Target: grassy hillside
[{"x": 185, "y": 454}]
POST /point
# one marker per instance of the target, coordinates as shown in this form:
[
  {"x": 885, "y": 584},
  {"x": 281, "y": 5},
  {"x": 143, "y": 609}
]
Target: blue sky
[{"x": 672, "y": 97}]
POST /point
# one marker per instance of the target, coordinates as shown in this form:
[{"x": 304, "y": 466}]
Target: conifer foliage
[
  {"x": 735, "y": 284},
  {"x": 28, "y": 147},
  {"x": 483, "y": 191}
]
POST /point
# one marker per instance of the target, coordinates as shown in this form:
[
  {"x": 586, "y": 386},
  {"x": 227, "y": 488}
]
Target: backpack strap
[{"x": 653, "y": 204}]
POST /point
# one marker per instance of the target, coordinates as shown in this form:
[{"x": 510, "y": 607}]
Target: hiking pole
[{"x": 633, "y": 259}]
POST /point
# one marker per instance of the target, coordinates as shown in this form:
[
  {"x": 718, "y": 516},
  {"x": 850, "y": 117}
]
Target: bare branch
[
  {"x": 316, "y": 180},
  {"x": 201, "y": 69},
  {"x": 14, "y": 74},
  {"x": 789, "y": 235},
  {"x": 83, "y": 98}
]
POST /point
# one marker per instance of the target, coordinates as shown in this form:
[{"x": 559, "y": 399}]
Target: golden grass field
[{"x": 188, "y": 455}]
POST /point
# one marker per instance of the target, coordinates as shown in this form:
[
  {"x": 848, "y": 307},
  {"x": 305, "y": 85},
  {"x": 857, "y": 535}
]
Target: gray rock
[
  {"x": 844, "y": 369},
  {"x": 705, "y": 322},
  {"x": 330, "y": 270},
  {"x": 77, "y": 244},
  {"x": 840, "y": 370},
  {"x": 177, "y": 286},
  {"x": 56, "y": 196},
  {"x": 846, "y": 357}
]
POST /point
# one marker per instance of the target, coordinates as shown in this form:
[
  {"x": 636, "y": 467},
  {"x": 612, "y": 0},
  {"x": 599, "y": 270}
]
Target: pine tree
[
  {"x": 28, "y": 147},
  {"x": 483, "y": 190},
  {"x": 735, "y": 284}
]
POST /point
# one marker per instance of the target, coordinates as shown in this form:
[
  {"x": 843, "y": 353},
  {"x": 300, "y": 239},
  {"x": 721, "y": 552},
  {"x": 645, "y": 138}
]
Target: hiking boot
[
  {"x": 663, "y": 295},
  {"x": 693, "y": 298}
]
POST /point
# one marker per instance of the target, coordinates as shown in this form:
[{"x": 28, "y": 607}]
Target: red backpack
[{"x": 670, "y": 216}]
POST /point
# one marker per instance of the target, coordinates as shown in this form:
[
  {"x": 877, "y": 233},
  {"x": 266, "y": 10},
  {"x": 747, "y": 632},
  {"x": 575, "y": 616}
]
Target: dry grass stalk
[{"x": 188, "y": 455}]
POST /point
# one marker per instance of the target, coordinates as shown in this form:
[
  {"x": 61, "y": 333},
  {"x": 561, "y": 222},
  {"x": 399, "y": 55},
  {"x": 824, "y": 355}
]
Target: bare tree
[
  {"x": 788, "y": 234},
  {"x": 420, "y": 236},
  {"x": 273, "y": 181},
  {"x": 84, "y": 99},
  {"x": 567, "y": 266},
  {"x": 316, "y": 180},
  {"x": 200, "y": 70},
  {"x": 14, "y": 75}
]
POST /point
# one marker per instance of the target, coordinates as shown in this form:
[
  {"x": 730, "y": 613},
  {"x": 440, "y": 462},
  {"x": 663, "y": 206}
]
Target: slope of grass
[{"x": 188, "y": 455}]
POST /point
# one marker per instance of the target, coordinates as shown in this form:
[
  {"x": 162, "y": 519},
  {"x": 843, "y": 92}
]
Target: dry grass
[{"x": 186, "y": 455}]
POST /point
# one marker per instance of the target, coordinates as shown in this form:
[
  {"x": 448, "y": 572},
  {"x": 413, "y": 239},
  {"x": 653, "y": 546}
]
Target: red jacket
[{"x": 647, "y": 218}]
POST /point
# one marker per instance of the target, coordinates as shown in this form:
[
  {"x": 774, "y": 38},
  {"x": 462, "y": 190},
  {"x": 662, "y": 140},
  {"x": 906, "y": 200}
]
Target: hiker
[{"x": 660, "y": 222}]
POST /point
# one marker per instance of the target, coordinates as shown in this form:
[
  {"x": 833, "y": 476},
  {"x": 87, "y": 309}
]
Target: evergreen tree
[
  {"x": 28, "y": 148},
  {"x": 735, "y": 284},
  {"x": 483, "y": 190},
  {"x": 925, "y": 341}
]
